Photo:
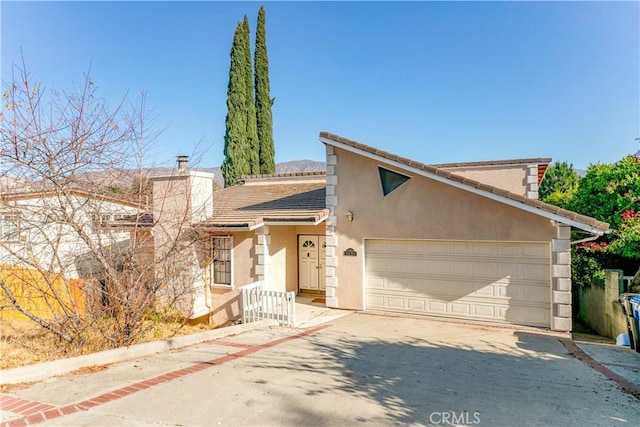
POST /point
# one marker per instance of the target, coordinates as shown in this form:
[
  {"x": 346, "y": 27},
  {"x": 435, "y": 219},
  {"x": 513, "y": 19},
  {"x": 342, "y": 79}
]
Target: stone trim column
[
  {"x": 561, "y": 279},
  {"x": 331, "y": 279},
  {"x": 264, "y": 258},
  {"x": 532, "y": 182}
]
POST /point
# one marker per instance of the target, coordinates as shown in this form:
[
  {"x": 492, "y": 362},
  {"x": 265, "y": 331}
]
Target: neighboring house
[
  {"x": 41, "y": 230},
  {"x": 384, "y": 233}
]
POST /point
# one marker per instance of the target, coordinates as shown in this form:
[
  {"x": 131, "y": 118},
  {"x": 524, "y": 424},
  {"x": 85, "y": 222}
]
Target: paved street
[{"x": 360, "y": 369}]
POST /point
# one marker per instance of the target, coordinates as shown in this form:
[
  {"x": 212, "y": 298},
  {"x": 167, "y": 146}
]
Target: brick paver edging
[
  {"x": 579, "y": 354},
  {"x": 36, "y": 412}
]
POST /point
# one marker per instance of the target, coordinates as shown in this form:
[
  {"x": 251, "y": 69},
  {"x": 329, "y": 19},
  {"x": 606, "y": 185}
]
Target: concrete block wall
[
  {"x": 561, "y": 279},
  {"x": 599, "y": 307},
  {"x": 332, "y": 240},
  {"x": 263, "y": 257},
  {"x": 532, "y": 181}
]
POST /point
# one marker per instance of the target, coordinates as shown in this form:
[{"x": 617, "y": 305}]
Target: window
[
  {"x": 9, "y": 228},
  {"x": 391, "y": 180},
  {"x": 221, "y": 260}
]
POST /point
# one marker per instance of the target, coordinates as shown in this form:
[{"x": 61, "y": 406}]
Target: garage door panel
[
  {"x": 485, "y": 270},
  {"x": 540, "y": 252},
  {"x": 437, "y": 307},
  {"x": 395, "y": 302},
  {"x": 485, "y": 310},
  {"x": 536, "y": 272},
  {"x": 460, "y": 308},
  {"x": 507, "y": 282},
  {"x": 416, "y": 304}
]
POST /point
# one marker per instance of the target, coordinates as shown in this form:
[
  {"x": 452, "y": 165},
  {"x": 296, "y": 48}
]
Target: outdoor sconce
[{"x": 349, "y": 216}]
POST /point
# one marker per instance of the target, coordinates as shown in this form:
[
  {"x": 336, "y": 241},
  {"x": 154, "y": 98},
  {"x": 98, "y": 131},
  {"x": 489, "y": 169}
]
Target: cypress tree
[
  {"x": 253, "y": 147},
  {"x": 263, "y": 103},
  {"x": 235, "y": 138}
]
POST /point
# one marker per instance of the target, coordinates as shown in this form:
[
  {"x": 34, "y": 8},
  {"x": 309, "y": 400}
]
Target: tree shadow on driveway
[{"x": 334, "y": 377}]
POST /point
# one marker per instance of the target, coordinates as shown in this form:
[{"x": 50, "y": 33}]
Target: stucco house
[
  {"x": 379, "y": 232},
  {"x": 42, "y": 229}
]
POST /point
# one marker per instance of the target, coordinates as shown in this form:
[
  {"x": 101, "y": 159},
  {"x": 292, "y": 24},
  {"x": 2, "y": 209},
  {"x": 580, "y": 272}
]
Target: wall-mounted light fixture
[{"x": 349, "y": 216}]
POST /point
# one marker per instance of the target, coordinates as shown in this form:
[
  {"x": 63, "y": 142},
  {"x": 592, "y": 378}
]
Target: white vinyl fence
[{"x": 259, "y": 304}]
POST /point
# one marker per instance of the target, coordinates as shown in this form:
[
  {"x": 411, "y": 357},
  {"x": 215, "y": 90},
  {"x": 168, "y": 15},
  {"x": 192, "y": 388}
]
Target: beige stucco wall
[
  {"x": 284, "y": 268},
  {"x": 243, "y": 264},
  {"x": 225, "y": 306},
  {"x": 283, "y": 253},
  {"x": 420, "y": 209},
  {"x": 512, "y": 178}
]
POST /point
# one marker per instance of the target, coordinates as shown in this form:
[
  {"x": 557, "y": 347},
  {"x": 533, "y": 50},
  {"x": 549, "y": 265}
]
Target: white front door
[{"x": 311, "y": 265}]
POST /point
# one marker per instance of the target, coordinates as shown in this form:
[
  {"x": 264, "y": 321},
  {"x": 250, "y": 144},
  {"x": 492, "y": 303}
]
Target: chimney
[{"x": 183, "y": 161}]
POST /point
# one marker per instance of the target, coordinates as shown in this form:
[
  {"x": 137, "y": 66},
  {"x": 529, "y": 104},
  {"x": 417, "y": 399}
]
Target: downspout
[
  {"x": 591, "y": 238},
  {"x": 586, "y": 239}
]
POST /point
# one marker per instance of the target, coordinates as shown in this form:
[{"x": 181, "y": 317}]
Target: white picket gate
[{"x": 259, "y": 304}]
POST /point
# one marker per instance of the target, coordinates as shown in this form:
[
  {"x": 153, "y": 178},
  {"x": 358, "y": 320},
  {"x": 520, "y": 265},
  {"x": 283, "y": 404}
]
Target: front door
[{"x": 311, "y": 264}]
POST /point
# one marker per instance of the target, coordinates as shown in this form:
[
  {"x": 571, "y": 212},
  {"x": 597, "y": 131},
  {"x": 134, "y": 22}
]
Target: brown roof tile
[
  {"x": 529, "y": 161},
  {"x": 250, "y": 205},
  {"x": 592, "y": 222},
  {"x": 283, "y": 175}
]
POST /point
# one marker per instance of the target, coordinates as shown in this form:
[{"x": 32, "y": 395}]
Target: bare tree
[{"x": 76, "y": 257}]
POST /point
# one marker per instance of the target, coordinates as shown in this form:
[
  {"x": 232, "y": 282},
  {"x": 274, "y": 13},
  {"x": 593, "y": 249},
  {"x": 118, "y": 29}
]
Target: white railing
[{"x": 259, "y": 304}]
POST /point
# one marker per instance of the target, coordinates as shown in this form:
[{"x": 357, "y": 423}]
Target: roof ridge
[
  {"x": 494, "y": 162},
  {"x": 283, "y": 175}
]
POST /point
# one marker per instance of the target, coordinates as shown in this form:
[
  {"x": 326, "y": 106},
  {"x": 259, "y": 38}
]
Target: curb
[
  {"x": 41, "y": 371},
  {"x": 579, "y": 354}
]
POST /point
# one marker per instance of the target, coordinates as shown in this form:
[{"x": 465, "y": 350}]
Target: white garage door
[{"x": 496, "y": 281}]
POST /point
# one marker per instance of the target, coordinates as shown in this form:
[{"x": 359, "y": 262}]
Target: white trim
[
  {"x": 270, "y": 223},
  {"x": 320, "y": 221},
  {"x": 461, "y": 186}
]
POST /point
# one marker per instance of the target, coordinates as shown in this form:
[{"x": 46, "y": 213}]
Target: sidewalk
[{"x": 618, "y": 363}]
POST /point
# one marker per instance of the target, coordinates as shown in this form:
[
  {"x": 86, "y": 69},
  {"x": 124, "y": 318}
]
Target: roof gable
[{"x": 521, "y": 202}]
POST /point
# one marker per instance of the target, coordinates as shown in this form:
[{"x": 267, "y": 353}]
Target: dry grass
[{"x": 24, "y": 343}]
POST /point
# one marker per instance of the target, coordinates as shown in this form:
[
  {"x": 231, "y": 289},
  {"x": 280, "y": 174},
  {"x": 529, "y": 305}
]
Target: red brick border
[
  {"x": 579, "y": 354},
  {"x": 230, "y": 344},
  {"x": 36, "y": 412}
]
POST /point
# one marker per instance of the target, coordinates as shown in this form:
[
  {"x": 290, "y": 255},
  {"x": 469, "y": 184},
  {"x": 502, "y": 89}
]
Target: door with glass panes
[{"x": 311, "y": 262}]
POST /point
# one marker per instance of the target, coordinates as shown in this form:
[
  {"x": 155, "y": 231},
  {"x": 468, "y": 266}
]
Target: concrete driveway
[{"x": 360, "y": 369}]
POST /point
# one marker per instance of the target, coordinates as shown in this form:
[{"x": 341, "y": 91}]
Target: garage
[{"x": 505, "y": 282}]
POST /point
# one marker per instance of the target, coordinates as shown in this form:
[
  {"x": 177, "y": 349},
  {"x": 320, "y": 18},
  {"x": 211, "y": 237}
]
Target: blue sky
[{"x": 434, "y": 81}]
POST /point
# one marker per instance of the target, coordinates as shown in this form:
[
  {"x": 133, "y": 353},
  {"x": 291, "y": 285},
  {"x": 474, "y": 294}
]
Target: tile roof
[
  {"x": 494, "y": 163},
  {"x": 249, "y": 206},
  {"x": 544, "y": 207},
  {"x": 282, "y": 175}
]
